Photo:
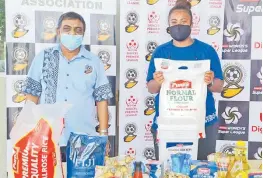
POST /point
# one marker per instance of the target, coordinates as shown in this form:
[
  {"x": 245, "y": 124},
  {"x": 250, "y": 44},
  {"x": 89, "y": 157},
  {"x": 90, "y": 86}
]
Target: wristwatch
[{"x": 104, "y": 132}]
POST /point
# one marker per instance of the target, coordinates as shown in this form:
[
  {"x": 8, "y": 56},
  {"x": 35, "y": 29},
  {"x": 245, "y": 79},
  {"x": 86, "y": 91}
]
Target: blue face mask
[{"x": 71, "y": 42}]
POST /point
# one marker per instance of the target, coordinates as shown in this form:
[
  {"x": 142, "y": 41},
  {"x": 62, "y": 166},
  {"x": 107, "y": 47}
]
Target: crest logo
[
  {"x": 130, "y": 130},
  {"x": 104, "y": 28},
  {"x": 20, "y": 59},
  {"x": 151, "y": 46},
  {"x": 130, "y": 152},
  {"x": 214, "y": 22},
  {"x": 88, "y": 69},
  {"x": 233, "y": 75},
  {"x": 150, "y": 104},
  {"x": 20, "y": 22},
  {"x": 149, "y": 153},
  {"x": 228, "y": 149},
  {"x": 49, "y": 24},
  {"x": 105, "y": 57},
  {"x": 131, "y": 75},
  {"x": 19, "y": 87},
  {"x": 132, "y": 19}
]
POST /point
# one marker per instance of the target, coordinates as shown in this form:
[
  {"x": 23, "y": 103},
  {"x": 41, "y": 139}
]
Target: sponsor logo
[
  {"x": 151, "y": 2},
  {"x": 77, "y": 4},
  {"x": 203, "y": 171},
  {"x": 133, "y": 2},
  {"x": 151, "y": 46},
  {"x": 132, "y": 18},
  {"x": 130, "y": 130},
  {"x": 180, "y": 84},
  {"x": 131, "y": 106},
  {"x": 228, "y": 149},
  {"x": 132, "y": 51},
  {"x": 49, "y": 24},
  {"x": 130, "y": 152},
  {"x": 258, "y": 154},
  {"x": 215, "y": 3},
  {"x": 19, "y": 87},
  {"x": 257, "y": 90},
  {"x": 258, "y": 45},
  {"x": 131, "y": 76},
  {"x": 104, "y": 30},
  {"x": 233, "y": 32},
  {"x": 214, "y": 22},
  {"x": 148, "y": 135},
  {"x": 105, "y": 58},
  {"x": 196, "y": 24},
  {"x": 149, "y": 153},
  {"x": 153, "y": 22},
  {"x": 20, "y": 55},
  {"x": 241, "y": 8},
  {"x": 165, "y": 65},
  {"x": 97, "y": 128},
  {"x": 234, "y": 74},
  {"x": 257, "y": 128},
  {"x": 20, "y": 22},
  {"x": 15, "y": 161},
  {"x": 232, "y": 116},
  {"x": 150, "y": 104}
]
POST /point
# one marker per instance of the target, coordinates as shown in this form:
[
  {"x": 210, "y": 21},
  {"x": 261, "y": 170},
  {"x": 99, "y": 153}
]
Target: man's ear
[{"x": 58, "y": 32}]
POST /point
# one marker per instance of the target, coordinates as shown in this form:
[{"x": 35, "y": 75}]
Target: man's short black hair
[{"x": 71, "y": 16}]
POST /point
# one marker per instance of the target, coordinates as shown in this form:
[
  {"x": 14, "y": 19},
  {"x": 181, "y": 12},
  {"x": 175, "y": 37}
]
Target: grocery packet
[
  {"x": 84, "y": 153},
  {"x": 204, "y": 169},
  {"x": 35, "y": 138},
  {"x": 183, "y": 92}
]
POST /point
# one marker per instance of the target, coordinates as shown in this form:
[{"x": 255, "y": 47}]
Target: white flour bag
[
  {"x": 35, "y": 138},
  {"x": 183, "y": 92}
]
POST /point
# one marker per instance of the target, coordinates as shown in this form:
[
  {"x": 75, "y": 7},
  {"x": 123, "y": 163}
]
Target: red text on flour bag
[
  {"x": 180, "y": 84},
  {"x": 34, "y": 155}
]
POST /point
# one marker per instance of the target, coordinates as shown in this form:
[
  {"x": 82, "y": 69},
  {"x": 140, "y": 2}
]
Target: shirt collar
[{"x": 82, "y": 53}]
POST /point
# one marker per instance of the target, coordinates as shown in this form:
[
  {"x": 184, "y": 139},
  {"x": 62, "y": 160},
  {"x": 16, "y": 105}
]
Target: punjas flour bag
[
  {"x": 183, "y": 92},
  {"x": 35, "y": 138}
]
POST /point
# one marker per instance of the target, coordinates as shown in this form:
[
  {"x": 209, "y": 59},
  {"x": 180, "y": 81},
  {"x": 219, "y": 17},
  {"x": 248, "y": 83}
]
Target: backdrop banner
[
  {"x": 233, "y": 28},
  {"x": 31, "y": 28}
]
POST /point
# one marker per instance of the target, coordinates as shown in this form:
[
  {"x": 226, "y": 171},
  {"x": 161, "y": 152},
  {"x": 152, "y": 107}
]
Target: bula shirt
[
  {"x": 81, "y": 82},
  {"x": 197, "y": 51}
]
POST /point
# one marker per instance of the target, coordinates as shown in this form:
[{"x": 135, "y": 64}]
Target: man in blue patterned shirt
[{"x": 70, "y": 73}]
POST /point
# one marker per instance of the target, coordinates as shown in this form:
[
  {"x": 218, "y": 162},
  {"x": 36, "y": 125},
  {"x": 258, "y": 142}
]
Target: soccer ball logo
[
  {"x": 151, "y": 46},
  {"x": 132, "y": 18},
  {"x": 104, "y": 26},
  {"x": 132, "y": 45},
  {"x": 20, "y": 86},
  {"x": 149, "y": 153},
  {"x": 228, "y": 149},
  {"x": 20, "y": 21},
  {"x": 131, "y": 75},
  {"x": 214, "y": 22},
  {"x": 49, "y": 23},
  {"x": 149, "y": 102},
  {"x": 153, "y": 17},
  {"x": 20, "y": 55},
  {"x": 130, "y": 152},
  {"x": 233, "y": 74},
  {"x": 130, "y": 130},
  {"x": 105, "y": 58}
]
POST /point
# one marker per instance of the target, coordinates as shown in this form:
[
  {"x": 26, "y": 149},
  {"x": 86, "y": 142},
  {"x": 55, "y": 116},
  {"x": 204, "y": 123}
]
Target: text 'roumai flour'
[
  {"x": 183, "y": 92},
  {"x": 35, "y": 138}
]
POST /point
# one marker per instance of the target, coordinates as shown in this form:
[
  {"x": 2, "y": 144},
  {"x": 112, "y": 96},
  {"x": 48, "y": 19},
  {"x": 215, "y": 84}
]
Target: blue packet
[
  {"x": 84, "y": 153},
  {"x": 181, "y": 163},
  {"x": 204, "y": 169}
]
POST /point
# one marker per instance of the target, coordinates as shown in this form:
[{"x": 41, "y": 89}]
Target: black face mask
[{"x": 179, "y": 32}]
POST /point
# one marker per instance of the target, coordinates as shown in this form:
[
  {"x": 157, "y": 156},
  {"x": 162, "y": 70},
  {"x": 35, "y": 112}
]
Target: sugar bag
[
  {"x": 183, "y": 92},
  {"x": 84, "y": 153},
  {"x": 35, "y": 138}
]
